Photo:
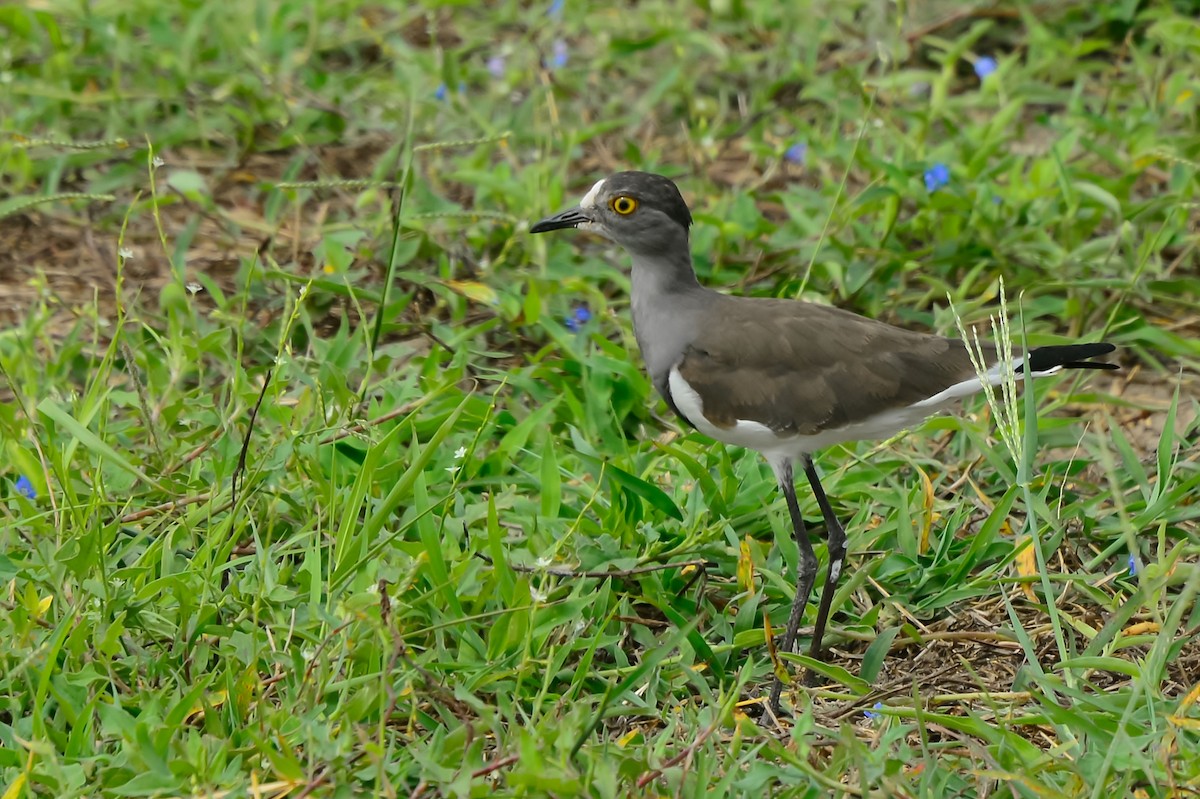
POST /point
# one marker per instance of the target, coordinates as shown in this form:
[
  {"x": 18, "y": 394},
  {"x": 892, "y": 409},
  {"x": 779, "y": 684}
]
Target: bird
[{"x": 781, "y": 376}]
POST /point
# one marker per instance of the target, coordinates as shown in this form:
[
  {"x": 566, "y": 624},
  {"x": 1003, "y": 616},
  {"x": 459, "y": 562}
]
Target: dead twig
[
  {"x": 495, "y": 765},
  {"x": 362, "y": 427},
  {"x": 240, "y": 470},
  {"x": 688, "y": 751},
  {"x": 165, "y": 507}
]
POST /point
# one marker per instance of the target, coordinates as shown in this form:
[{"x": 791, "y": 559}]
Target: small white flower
[
  {"x": 158, "y": 161},
  {"x": 194, "y": 288},
  {"x": 452, "y": 469},
  {"x": 544, "y": 562},
  {"x": 124, "y": 253},
  {"x": 308, "y": 654},
  {"x": 537, "y": 595},
  {"x": 304, "y": 291},
  {"x": 460, "y": 453}
]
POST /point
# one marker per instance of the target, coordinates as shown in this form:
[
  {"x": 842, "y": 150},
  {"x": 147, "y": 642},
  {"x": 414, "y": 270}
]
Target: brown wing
[{"x": 801, "y": 368}]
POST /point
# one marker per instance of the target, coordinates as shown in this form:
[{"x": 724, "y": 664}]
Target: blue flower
[
  {"x": 936, "y": 177},
  {"x": 984, "y": 66},
  {"x": 555, "y": 10},
  {"x": 797, "y": 153},
  {"x": 1132, "y": 566},
  {"x": 440, "y": 92},
  {"x": 558, "y": 59},
  {"x": 495, "y": 65},
  {"x": 25, "y": 488},
  {"x": 874, "y": 713},
  {"x": 577, "y": 318}
]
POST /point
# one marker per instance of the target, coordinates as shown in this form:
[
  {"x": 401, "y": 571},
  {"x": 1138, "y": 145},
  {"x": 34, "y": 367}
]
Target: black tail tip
[{"x": 1070, "y": 356}]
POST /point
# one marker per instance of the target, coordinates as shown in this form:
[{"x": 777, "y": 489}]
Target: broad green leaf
[{"x": 53, "y": 411}]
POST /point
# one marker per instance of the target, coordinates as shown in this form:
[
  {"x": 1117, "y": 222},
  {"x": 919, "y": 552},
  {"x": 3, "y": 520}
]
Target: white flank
[
  {"x": 973, "y": 385},
  {"x": 757, "y": 436}
]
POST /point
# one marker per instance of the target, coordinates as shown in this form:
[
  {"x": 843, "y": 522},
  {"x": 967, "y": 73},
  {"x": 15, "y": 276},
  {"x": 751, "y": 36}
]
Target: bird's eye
[{"x": 623, "y": 205}]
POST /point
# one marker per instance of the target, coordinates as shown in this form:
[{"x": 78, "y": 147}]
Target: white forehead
[{"x": 589, "y": 199}]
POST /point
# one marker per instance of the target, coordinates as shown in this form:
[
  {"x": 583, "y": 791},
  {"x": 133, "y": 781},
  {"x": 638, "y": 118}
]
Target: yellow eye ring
[{"x": 623, "y": 205}]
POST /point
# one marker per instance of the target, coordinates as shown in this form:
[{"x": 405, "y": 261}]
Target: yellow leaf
[
  {"x": 475, "y": 291},
  {"x": 1023, "y": 780},
  {"x": 745, "y": 566},
  {"x": 1026, "y": 564},
  {"x": 14, "y": 790},
  {"x": 982, "y": 498},
  {"x": 1192, "y": 698},
  {"x": 44, "y": 605},
  {"x": 246, "y": 687},
  {"x": 1141, "y": 628},
  {"x": 197, "y": 711},
  {"x": 780, "y": 669},
  {"x": 628, "y": 737},
  {"x": 1187, "y": 724},
  {"x": 927, "y": 519}
]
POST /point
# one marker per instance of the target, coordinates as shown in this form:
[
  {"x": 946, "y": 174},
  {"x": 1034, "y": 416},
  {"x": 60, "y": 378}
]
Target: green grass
[{"x": 279, "y": 347}]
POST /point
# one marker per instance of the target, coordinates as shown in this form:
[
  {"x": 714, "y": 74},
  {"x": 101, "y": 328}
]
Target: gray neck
[{"x": 668, "y": 304}]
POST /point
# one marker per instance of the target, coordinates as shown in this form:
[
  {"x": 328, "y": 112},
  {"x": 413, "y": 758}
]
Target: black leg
[
  {"x": 837, "y": 556},
  {"x": 806, "y": 574}
]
